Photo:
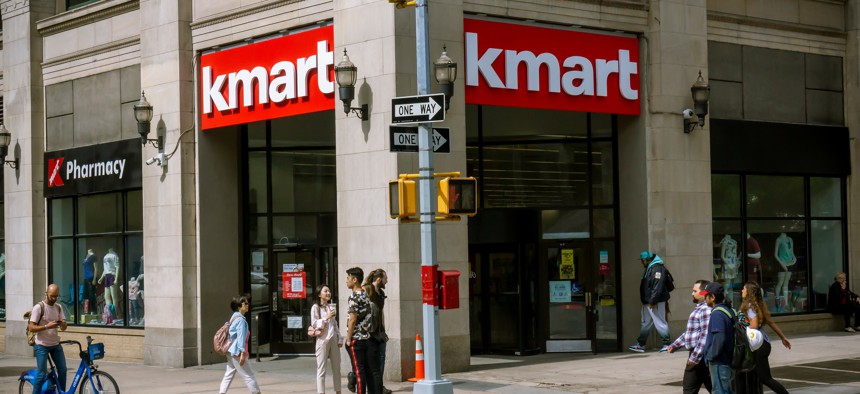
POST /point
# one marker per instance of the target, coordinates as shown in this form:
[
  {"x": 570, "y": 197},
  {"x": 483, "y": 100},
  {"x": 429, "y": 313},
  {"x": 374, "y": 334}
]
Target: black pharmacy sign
[
  {"x": 405, "y": 139},
  {"x": 92, "y": 169}
]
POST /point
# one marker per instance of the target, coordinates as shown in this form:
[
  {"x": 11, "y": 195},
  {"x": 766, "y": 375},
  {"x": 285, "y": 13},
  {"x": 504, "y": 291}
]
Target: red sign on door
[
  {"x": 293, "y": 285},
  {"x": 516, "y": 65},
  {"x": 284, "y": 76}
]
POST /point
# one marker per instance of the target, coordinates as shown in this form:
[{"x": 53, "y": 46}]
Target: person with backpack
[
  {"x": 719, "y": 343},
  {"x": 696, "y": 372},
  {"x": 46, "y": 317},
  {"x": 654, "y": 291},
  {"x": 755, "y": 309},
  {"x": 379, "y": 279},
  {"x": 363, "y": 350},
  {"x": 237, "y": 355}
]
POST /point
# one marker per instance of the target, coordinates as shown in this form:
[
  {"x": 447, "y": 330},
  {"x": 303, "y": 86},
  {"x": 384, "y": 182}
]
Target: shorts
[{"x": 109, "y": 280}]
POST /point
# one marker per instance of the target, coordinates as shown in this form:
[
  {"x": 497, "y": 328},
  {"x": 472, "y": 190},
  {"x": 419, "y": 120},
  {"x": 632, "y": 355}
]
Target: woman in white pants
[
  {"x": 329, "y": 341},
  {"x": 237, "y": 356}
]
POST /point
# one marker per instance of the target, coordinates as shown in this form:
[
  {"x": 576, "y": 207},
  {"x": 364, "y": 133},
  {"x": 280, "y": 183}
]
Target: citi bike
[{"x": 91, "y": 380}]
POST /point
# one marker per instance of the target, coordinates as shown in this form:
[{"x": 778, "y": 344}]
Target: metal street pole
[{"x": 432, "y": 382}]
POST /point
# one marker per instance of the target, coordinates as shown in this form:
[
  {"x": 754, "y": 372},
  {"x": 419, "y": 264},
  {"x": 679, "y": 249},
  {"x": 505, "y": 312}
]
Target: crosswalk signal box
[
  {"x": 458, "y": 196},
  {"x": 402, "y": 198}
]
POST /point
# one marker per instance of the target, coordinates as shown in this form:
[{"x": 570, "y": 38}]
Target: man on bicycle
[{"x": 45, "y": 318}]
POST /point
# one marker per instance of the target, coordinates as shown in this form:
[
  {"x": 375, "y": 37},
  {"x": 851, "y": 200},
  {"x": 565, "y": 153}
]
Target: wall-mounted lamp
[
  {"x": 446, "y": 74},
  {"x": 5, "y": 140},
  {"x": 701, "y": 94},
  {"x": 143, "y": 115},
  {"x": 345, "y": 73}
]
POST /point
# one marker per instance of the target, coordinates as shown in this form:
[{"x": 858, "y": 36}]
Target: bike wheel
[
  {"x": 25, "y": 387},
  {"x": 104, "y": 384}
]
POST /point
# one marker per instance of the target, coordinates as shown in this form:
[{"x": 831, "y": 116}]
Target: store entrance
[{"x": 567, "y": 297}]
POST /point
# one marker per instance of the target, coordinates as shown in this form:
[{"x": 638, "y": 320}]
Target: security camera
[
  {"x": 688, "y": 113},
  {"x": 150, "y": 160}
]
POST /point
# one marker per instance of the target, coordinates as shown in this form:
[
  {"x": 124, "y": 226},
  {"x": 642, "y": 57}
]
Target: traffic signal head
[
  {"x": 458, "y": 196},
  {"x": 402, "y": 198}
]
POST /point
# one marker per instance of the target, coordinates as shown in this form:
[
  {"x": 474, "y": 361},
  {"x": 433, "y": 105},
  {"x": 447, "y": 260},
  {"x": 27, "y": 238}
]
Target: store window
[
  {"x": 2, "y": 251},
  {"x": 786, "y": 233},
  {"x": 95, "y": 252}
]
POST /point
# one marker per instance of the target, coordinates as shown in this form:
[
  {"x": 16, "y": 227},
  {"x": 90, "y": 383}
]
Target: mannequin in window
[
  {"x": 731, "y": 262},
  {"x": 753, "y": 262},
  {"x": 783, "y": 251},
  {"x": 88, "y": 299},
  {"x": 111, "y": 271}
]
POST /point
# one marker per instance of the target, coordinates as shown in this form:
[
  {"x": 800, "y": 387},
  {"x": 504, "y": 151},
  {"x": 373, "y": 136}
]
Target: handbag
[{"x": 314, "y": 331}]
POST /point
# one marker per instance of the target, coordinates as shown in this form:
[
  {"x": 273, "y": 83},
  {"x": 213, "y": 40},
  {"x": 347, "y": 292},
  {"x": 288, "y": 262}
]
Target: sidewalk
[{"x": 820, "y": 364}]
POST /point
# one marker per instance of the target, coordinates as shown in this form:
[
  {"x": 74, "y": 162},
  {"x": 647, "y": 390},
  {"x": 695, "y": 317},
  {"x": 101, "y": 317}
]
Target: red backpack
[{"x": 222, "y": 341}]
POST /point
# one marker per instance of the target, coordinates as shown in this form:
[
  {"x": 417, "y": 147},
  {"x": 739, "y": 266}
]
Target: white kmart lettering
[
  {"x": 90, "y": 170},
  {"x": 289, "y": 81},
  {"x": 582, "y": 77}
]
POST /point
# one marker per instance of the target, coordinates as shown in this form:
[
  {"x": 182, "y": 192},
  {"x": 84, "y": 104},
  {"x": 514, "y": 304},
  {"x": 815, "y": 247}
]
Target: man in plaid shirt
[{"x": 696, "y": 372}]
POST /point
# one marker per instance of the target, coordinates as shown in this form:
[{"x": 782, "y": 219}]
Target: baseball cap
[
  {"x": 713, "y": 288},
  {"x": 645, "y": 255}
]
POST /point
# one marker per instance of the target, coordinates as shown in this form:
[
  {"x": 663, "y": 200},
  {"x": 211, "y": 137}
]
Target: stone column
[
  {"x": 24, "y": 117},
  {"x": 852, "y": 121},
  {"x": 384, "y": 52},
  {"x": 169, "y": 193},
  {"x": 666, "y": 173}
]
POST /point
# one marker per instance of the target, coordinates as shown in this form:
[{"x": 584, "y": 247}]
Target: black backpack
[
  {"x": 743, "y": 359},
  {"x": 670, "y": 281}
]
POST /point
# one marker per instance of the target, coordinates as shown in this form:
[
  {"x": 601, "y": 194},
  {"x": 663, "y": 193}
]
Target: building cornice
[
  {"x": 241, "y": 12},
  {"x": 85, "y": 15},
  {"x": 775, "y": 25},
  {"x": 111, "y": 46}
]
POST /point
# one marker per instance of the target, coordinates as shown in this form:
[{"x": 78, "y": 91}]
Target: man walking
[
  {"x": 45, "y": 318},
  {"x": 719, "y": 341},
  {"x": 653, "y": 292},
  {"x": 363, "y": 352},
  {"x": 696, "y": 372}
]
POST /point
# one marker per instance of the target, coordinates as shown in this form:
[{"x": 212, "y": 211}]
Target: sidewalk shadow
[{"x": 492, "y": 362}]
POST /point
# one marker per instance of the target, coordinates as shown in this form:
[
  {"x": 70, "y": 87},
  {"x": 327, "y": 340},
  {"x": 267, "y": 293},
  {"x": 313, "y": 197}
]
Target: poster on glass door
[{"x": 559, "y": 291}]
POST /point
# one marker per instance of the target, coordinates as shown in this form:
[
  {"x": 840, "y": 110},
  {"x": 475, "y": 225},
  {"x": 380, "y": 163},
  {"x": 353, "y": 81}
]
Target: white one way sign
[
  {"x": 405, "y": 139},
  {"x": 418, "y": 109}
]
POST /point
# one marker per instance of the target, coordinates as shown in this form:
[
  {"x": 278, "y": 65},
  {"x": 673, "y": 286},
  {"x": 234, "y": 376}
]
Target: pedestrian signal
[
  {"x": 458, "y": 196},
  {"x": 402, "y": 198}
]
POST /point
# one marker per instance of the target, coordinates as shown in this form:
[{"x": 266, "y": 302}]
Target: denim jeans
[
  {"x": 382, "y": 356},
  {"x": 59, "y": 358},
  {"x": 721, "y": 378}
]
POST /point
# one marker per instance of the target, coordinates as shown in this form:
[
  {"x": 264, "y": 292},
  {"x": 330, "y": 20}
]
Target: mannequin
[
  {"x": 111, "y": 271},
  {"x": 753, "y": 262},
  {"x": 88, "y": 301},
  {"x": 731, "y": 262},
  {"x": 783, "y": 251}
]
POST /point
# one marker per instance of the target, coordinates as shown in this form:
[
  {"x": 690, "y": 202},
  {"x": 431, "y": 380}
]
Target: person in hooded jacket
[{"x": 653, "y": 292}]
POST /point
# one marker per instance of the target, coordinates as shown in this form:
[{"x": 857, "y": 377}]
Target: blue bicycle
[{"x": 92, "y": 380}]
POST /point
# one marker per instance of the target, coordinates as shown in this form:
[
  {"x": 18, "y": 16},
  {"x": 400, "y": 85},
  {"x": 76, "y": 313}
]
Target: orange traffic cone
[{"x": 419, "y": 360}]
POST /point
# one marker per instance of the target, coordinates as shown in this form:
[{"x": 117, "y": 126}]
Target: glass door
[
  {"x": 292, "y": 293},
  {"x": 569, "y": 297}
]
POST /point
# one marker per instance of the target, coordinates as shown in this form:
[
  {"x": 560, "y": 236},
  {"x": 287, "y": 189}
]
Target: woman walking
[
  {"x": 237, "y": 356},
  {"x": 329, "y": 342},
  {"x": 756, "y": 310}
]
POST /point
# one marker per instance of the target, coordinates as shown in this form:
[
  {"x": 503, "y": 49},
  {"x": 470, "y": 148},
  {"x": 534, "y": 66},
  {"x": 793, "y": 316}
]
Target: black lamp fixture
[
  {"x": 5, "y": 140},
  {"x": 143, "y": 115},
  {"x": 345, "y": 73},
  {"x": 446, "y": 74},
  {"x": 701, "y": 94}
]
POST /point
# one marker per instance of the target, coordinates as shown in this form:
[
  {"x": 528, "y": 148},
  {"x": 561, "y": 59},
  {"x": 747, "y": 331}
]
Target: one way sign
[
  {"x": 405, "y": 139},
  {"x": 418, "y": 109}
]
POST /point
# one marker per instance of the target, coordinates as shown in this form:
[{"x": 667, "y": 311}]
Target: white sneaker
[{"x": 849, "y": 329}]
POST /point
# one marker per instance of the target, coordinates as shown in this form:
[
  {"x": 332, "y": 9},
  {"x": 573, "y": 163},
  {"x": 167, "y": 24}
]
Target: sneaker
[
  {"x": 664, "y": 349},
  {"x": 350, "y": 381},
  {"x": 849, "y": 329},
  {"x": 637, "y": 348},
  {"x": 857, "y": 328},
  {"x": 385, "y": 390}
]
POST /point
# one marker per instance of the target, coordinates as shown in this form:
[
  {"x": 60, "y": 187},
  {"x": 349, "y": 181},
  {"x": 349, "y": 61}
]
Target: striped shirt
[{"x": 697, "y": 330}]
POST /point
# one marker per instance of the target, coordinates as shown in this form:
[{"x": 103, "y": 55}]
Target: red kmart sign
[
  {"x": 284, "y": 76},
  {"x": 516, "y": 65}
]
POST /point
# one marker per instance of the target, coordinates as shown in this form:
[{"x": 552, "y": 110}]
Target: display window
[
  {"x": 786, "y": 233},
  {"x": 95, "y": 256}
]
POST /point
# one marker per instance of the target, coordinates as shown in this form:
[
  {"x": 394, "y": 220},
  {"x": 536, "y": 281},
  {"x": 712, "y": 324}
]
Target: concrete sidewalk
[{"x": 820, "y": 364}]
